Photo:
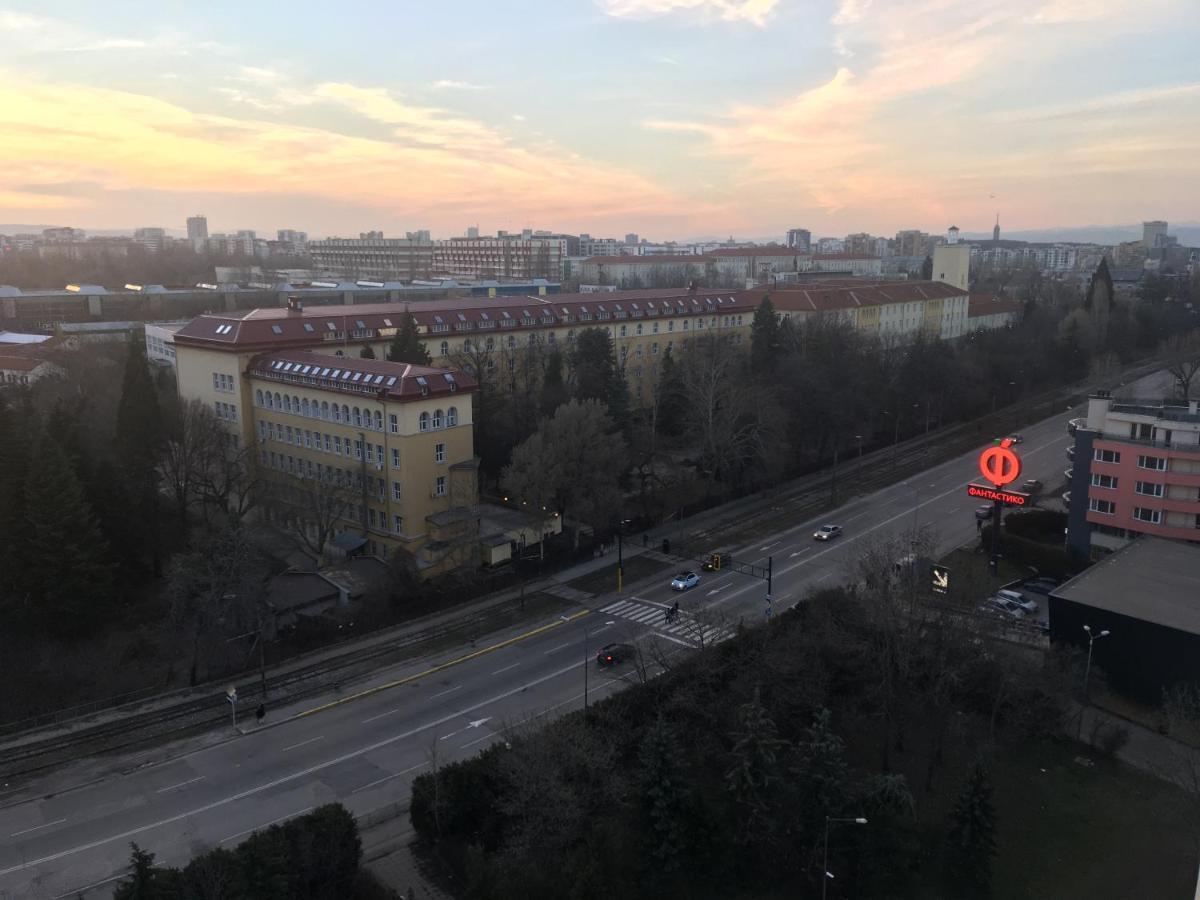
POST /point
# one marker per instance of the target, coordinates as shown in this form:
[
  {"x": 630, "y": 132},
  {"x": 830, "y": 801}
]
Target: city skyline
[{"x": 685, "y": 118}]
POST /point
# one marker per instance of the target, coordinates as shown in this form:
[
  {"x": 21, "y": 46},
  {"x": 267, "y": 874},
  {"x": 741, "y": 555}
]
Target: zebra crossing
[{"x": 685, "y": 628}]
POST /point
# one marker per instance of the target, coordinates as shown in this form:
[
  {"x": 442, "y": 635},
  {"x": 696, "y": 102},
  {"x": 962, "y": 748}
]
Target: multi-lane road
[{"x": 363, "y": 747}]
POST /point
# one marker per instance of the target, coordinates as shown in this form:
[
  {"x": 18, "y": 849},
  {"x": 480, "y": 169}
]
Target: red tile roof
[
  {"x": 20, "y": 363},
  {"x": 819, "y": 298},
  {"x": 844, "y": 256},
  {"x": 373, "y": 377},
  {"x": 646, "y": 260},
  {"x": 772, "y": 250},
  {"x": 991, "y": 305}
]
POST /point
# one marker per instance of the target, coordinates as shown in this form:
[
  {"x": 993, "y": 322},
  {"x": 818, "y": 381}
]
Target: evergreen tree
[
  {"x": 554, "y": 390},
  {"x": 927, "y": 269},
  {"x": 971, "y": 843},
  {"x": 64, "y": 556},
  {"x": 142, "y": 884},
  {"x": 407, "y": 346},
  {"x": 14, "y": 460},
  {"x": 764, "y": 337},
  {"x": 664, "y": 794},
  {"x": 366, "y": 352},
  {"x": 671, "y": 406},
  {"x": 139, "y": 439},
  {"x": 597, "y": 375},
  {"x": 754, "y": 777},
  {"x": 822, "y": 772}
]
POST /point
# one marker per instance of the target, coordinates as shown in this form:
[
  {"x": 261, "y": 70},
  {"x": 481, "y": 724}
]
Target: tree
[
  {"x": 143, "y": 883},
  {"x": 68, "y": 574},
  {"x": 554, "y": 389},
  {"x": 755, "y": 773},
  {"x": 764, "y": 338},
  {"x": 664, "y": 794},
  {"x": 194, "y": 438},
  {"x": 927, "y": 269},
  {"x": 367, "y": 352},
  {"x": 595, "y": 373},
  {"x": 139, "y": 438},
  {"x": 407, "y": 346},
  {"x": 573, "y": 461},
  {"x": 1182, "y": 353},
  {"x": 312, "y": 507},
  {"x": 971, "y": 843}
]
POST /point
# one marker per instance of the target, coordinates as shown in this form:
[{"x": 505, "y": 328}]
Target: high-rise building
[
  {"x": 996, "y": 230},
  {"x": 473, "y": 231},
  {"x": 291, "y": 242},
  {"x": 799, "y": 239},
  {"x": 197, "y": 228},
  {"x": 422, "y": 235},
  {"x": 153, "y": 239},
  {"x": 952, "y": 261},
  {"x": 1153, "y": 234},
  {"x": 861, "y": 243},
  {"x": 912, "y": 243},
  {"x": 631, "y": 238}
]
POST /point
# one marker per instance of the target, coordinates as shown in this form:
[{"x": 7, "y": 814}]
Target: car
[
  {"x": 828, "y": 532},
  {"x": 685, "y": 581},
  {"x": 1007, "y": 607},
  {"x": 983, "y": 512},
  {"x": 1040, "y": 585},
  {"x": 615, "y": 654},
  {"x": 1032, "y": 486},
  {"x": 1015, "y": 438},
  {"x": 1030, "y": 606}
]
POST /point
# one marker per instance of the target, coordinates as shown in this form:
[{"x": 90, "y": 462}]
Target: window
[
  {"x": 639, "y": 327},
  {"x": 439, "y": 488},
  {"x": 1156, "y": 463},
  {"x": 290, "y": 438},
  {"x": 395, "y": 458},
  {"x": 371, "y": 517},
  {"x": 377, "y": 418},
  {"x": 452, "y": 417},
  {"x": 357, "y": 416},
  {"x": 327, "y": 445},
  {"x": 424, "y": 421},
  {"x": 1104, "y": 481},
  {"x": 437, "y": 418},
  {"x": 397, "y": 524},
  {"x": 1144, "y": 514},
  {"x": 358, "y": 449},
  {"x": 1106, "y": 456},
  {"x": 1149, "y": 488},
  {"x": 439, "y": 453},
  {"x": 671, "y": 325},
  {"x": 307, "y": 438},
  {"x": 623, "y": 330},
  {"x": 325, "y": 410},
  {"x": 304, "y": 408},
  {"x": 395, "y": 490},
  {"x": 654, "y": 328},
  {"x": 1107, "y": 507},
  {"x": 258, "y": 397},
  {"x": 337, "y": 445},
  {"x": 264, "y": 429}
]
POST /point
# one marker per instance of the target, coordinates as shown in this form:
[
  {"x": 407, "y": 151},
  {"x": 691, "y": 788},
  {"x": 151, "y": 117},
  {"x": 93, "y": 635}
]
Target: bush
[
  {"x": 1046, "y": 526},
  {"x": 1048, "y": 560}
]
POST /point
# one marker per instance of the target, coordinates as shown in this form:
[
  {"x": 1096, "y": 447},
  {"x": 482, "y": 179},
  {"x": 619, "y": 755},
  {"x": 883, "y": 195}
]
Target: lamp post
[
  {"x": 858, "y": 437},
  {"x": 1092, "y": 638},
  {"x": 587, "y": 633},
  {"x": 826, "y": 875}
]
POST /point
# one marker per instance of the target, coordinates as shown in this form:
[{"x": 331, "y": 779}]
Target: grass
[
  {"x": 1069, "y": 831},
  {"x": 605, "y": 580}
]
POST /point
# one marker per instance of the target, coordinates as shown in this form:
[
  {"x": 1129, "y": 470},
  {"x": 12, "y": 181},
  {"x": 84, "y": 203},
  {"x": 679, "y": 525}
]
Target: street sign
[
  {"x": 941, "y": 579},
  {"x": 231, "y": 694},
  {"x": 1000, "y": 465},
  {"x": 1007, "y": 498}
]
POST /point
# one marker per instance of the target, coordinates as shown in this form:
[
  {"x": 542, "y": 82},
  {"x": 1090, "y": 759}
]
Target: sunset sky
[{"x": 672, "y": 118}]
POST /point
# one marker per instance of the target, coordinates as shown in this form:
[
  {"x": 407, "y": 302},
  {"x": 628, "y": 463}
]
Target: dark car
[
  {"x": 1032, "y": 486},
  {"x": 1043, "y": 585},
  {"x": 615, "y": 654},
  {"x": 984, "y": 512}
]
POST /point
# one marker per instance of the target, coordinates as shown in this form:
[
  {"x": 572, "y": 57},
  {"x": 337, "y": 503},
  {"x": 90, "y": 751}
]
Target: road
[{"x": 364, "y": 749}]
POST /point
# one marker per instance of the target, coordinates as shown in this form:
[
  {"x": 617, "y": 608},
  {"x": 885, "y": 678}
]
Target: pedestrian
[
  {"x": 979, "y": 526},
  {"x": 260, "y": 713}
]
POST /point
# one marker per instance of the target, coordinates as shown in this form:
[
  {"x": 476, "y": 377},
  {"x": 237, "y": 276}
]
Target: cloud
[
  {"x": 879, "y": 136},
  {"x": 517, "y": 117},
  {"x": 450, "y": 85},
  {"x": 22, "y": 34},
  {"x": 756, "y": 12},
  {"x": 420, "y": 162}
]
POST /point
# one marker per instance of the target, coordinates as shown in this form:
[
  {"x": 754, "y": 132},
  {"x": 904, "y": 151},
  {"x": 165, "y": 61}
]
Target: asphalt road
[{"x": 364, "y": 749}]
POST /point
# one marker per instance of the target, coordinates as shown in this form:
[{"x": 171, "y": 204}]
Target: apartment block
[
  {"x": 501, "y": 257},
  {"x": 372, "y": 257}
]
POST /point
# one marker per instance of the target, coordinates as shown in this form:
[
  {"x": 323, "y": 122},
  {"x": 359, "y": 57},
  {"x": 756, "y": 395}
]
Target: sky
[{"x": 669, "y": 118}]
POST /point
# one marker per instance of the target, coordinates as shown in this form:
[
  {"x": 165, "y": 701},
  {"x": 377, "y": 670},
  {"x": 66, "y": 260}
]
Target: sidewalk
[{"x": 1147, "y": 750}]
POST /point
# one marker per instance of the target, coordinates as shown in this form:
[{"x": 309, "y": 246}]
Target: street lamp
[
  {"x": 1092, "y": 638},
  {"x": 586, "y": 635},
  {"x": 858, "y": 437},
  {"x": 826, "y": 875}
]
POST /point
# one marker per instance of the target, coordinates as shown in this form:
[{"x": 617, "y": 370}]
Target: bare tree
[
  {"x": 195, "y": 440},
  {"x": 312, "y": 507},
  {"x": 229, "y": 481},
  {"x": 1182, "y": 353}
]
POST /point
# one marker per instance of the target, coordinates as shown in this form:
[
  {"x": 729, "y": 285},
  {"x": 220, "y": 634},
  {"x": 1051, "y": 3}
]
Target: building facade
[
  {"x": 501, "y": 257},
  {"x": 372, "y": 257},
  {"x": 160, "y": 342},
  {"x": 1135, "y": 470},
  {"x": 757, "y": 263},
  {"x": 848, "y": 263},
  {"x": 799, "y": 239},
  {"x": 643, "y": 271}
]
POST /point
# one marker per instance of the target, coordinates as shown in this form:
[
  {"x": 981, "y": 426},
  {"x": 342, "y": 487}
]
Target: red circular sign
[{"x": 1000, "y": 465}]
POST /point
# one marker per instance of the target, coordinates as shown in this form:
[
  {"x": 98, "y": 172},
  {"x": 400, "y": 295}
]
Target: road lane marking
[
  {"x": 37, "y": 828},
  {"x": 561, "y": 647},
  {"x": 798, "y": 552},
  {"x": 319, "y": 737},
  {"x": 390, "y": 712},
  {"x": 505, "y": 669},
  {"x": 181, "y": 784},
  {"x": 380, "y": 781},
  {"x": 767, "y": 546},
  {"x": 265, "y": 825},
  {"x": 479, "y": 740},
  {"x": 445, "y": 692},
  {"x": 718, "y": 590}
]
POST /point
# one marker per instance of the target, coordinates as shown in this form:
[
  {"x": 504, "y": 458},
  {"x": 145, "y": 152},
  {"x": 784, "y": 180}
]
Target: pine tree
[
  {"x": 139, "y": 439},
  {"x": 14, "y": 460},
  {"x": 927, "y": 269},
  {"x": 366, "y": 352},
  {"x": 407, "y": 346},
  {"x": 141, "y": 885},
  {"x": 764, "y": 337},
  {"x": 554, "y": 390},
  {"x": 971, "y": 843},
  {"x": 68, "y": 576},
  {"x": 755, "y": 775},
  {"x": 664, "y": 793},
  {"x": 822, "y": 772}
]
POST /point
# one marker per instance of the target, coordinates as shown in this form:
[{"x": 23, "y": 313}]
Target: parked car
[
  {"x": 685, "y": 581},
  {"x": 983, "y": 512},
  {"x": 1007, "y": 607},
  {"x": 1030, "y": 606},
  {"x": 717, "y": 560},
  {"x": 828, "y": 532},
  {"x": 1032, "y": 486},
  {"x": 615, "y": 654},
  {"x": 1041, "y": 585},
  {"x": 1015, "y": 438}
]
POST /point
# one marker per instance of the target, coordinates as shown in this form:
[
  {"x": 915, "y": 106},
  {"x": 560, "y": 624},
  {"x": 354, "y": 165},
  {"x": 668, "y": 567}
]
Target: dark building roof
[{"x": 378, "y": 378}]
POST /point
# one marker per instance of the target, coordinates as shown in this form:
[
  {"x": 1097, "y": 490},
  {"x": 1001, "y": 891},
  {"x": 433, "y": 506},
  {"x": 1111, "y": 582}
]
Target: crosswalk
[{"x": 685, "y": 628}]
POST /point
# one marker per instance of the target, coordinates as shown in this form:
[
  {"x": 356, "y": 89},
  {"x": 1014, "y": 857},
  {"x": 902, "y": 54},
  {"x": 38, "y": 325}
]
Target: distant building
[
  {"x": 799, "y": 239},
  {"x": 828, "y": 246},
  {"x": 952, "y": 262},
  {"x": 846, "y": 263},
  {"x": 291, "y": 242},
  {"x": 473, "y": 231},
  {"x": 590, "y": 246},
  {"x": 500, "y": 257},
  {"x": 861, "y": 244},
  {"x": 986, "y": 312},
  {"x": 160, "y": 341},
  {"x": 996, "y": 230},
  {"x": 1153, "y": 234},
  {"x": 643, "y": 271},
  {"x": 153, "y": 239},
  {"x": 757, "y": 263},
  {"x": 631, "y": 238},
  {"x": 197, "y": 228},
  {"x": 373, "y": 257},
  {"x": 421, "y": 235},
  {"x": 912, "y": 243}
]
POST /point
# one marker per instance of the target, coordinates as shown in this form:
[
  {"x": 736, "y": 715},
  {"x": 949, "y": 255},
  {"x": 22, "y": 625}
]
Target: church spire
[{"x": 996, "y": 230}]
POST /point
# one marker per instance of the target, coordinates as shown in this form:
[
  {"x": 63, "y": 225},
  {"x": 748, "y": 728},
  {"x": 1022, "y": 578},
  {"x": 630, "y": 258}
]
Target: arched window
[
  {"x": 345, "y": 414},
  {"x": 287, "y": 403},
  {"x": 337, "y": 413},
  {"x": 452, "y": 417},
  {"x": 304, "y": 406},
  {"x": 623, "y": 330},
  {"x": 445, "y": 348},
  {"x": 278, "y": 401},
  {"x": 378, "y": 420},
  {"x": 491, "y": 344},
  {"x": 437, "y": 418},
  {"x": 258, "y": 397},
  {"x": 424, "y": 421},
  {"x": 639, "y": 328},
  {"x": 357, "y": 416},
  {"x": 325, "y": 409},
  {"x": 512, "y": 341},
  {"x": 295, "y": 404}
]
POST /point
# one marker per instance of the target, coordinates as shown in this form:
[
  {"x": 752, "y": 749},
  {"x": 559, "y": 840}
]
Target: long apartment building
[
  {"x": 380, "y": 454},
  {"x": 507, "y": 256},
  {"x": 1134, "y": 470},
  {"x": 493, "y": 333},
  {"x": 372, "y": 257}
]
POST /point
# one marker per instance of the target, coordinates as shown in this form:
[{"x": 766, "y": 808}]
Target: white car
[
  {"x": 1020, "y": 599},
  {"x": 828, "y": 532},
  {"x": 685, "y": 581},
  {"x": 1001, "y": 604}
]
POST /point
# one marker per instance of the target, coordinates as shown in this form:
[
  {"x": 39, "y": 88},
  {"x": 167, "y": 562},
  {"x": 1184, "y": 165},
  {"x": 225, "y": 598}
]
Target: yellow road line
[{"x": 438, "y": 668}]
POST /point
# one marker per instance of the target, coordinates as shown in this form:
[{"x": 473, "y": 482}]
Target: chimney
[{"x": 295, "y": 305}]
